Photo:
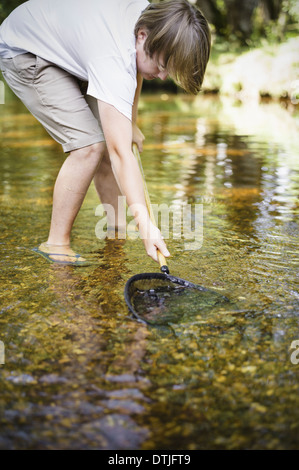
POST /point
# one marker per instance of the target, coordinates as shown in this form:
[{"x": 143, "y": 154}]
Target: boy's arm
[
  {"x": 118, "y": 134},
  {"x": 138, "y": 137}
]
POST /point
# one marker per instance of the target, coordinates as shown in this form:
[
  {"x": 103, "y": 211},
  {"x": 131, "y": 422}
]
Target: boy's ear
[{"x": 142, "y": 34}]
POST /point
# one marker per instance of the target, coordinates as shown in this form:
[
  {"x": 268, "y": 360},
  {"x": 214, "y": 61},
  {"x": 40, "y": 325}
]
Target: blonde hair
[{"x": 178, "y": 32}]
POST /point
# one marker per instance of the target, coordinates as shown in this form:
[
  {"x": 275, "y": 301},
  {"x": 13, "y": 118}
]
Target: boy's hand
[
  {"x": 153, "y": 240},
  {"x": 137, "y": 137}
]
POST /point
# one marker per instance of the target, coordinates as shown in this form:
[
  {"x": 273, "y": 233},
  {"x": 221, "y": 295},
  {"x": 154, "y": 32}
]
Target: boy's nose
[{"x": 163, "y": 75}]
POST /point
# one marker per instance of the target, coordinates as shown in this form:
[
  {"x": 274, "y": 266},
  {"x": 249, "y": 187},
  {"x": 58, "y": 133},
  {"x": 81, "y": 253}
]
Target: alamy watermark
[
  {"x": 2, "y": 92},
  {"x": 295, "y": 354},
  {"x": 175, "y": 221},
  {"x": 2, "y": 353}
]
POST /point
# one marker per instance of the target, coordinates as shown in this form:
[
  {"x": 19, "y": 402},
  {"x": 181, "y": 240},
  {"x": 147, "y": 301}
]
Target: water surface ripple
[{"x": 79, "y": 372}]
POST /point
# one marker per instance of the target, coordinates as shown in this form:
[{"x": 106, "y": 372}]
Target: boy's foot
[{"x": 61, "y": 254}]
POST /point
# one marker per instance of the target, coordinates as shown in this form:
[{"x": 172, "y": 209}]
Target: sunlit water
[{"x": 79, "y": 372}]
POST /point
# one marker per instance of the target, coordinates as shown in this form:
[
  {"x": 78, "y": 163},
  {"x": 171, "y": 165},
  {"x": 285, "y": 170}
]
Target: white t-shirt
[{"x": 91, "y": 39}]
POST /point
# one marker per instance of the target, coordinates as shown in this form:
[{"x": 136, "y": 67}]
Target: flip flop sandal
[{"x": 47, "y": 256}]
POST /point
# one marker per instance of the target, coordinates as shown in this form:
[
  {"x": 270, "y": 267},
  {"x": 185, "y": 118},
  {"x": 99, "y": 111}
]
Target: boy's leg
[
  {"x": 70, "y": 189},
  {"x": 109, "y": 193},
  {"x": 106, "y": 185},
  {"x": 55, "y": 98}
]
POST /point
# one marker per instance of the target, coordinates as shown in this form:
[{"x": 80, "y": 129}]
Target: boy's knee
[
  {"x": 94, "y": 152},
  {"x": 97, "y": 149}
]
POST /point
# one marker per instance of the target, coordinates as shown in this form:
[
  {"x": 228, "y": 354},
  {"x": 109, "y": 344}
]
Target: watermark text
[
  {"x": 2, "y": 92},
  {"x": 295, "y": 354},
  {"x": 174, "y": 221},
  {"x": 2, "y": 353}
]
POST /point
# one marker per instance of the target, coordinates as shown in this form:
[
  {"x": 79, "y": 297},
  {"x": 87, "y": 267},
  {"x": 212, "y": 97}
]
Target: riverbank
[{"x": 269, "y": 71}]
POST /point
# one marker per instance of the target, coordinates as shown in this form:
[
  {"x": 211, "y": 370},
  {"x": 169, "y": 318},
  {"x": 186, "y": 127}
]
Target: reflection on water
[{"x": 79, "y": 373}]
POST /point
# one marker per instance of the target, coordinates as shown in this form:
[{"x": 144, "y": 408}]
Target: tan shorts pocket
[{"x": 25, "y": 65}]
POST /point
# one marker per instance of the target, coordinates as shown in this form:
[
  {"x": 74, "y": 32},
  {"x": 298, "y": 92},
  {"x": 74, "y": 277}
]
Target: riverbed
[{"x": 78, "y": 372}]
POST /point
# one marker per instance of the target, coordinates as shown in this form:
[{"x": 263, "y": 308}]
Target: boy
[{"x": 49, "y": 48}]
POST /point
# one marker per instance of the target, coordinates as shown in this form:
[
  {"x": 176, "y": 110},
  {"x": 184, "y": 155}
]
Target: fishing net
[{"x": 161, "y": 299}]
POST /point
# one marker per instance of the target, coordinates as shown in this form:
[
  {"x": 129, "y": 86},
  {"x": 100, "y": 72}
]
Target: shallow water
[{"x": 79, "y": 372}]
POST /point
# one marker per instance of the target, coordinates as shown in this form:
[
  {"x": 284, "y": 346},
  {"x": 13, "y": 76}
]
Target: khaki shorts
[{"x": 56, "y": 98}]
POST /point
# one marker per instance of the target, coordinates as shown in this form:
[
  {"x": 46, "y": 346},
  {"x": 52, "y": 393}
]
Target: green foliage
[
  {"x": 6, "y": 6},
  {"x": 249, "y": 22},
  {"x": 278, "y": 29}
]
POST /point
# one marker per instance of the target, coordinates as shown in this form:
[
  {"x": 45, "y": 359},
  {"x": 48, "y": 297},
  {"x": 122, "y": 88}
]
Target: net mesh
[{"x": 163, "y": 301}]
